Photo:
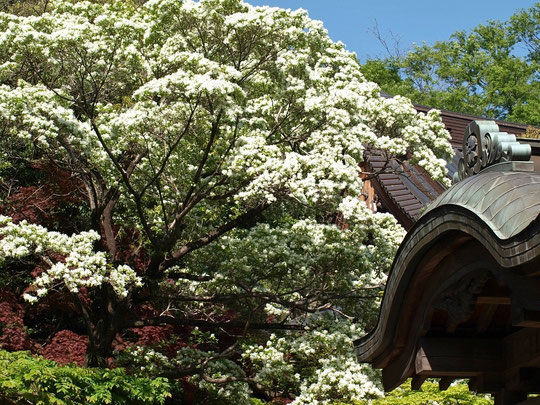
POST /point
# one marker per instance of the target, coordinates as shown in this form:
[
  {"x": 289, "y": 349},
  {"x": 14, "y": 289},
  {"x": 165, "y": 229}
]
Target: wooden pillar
[{"x": 506, "y": 397}]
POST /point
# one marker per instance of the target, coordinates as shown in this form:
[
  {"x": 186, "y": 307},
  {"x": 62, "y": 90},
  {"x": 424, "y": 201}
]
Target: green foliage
[
  {"x": 29, "y": 379},
  {"x": 478, "y": 72},
  {"x": 532, "y": 133},
  {"x": 429, "y": 394}
]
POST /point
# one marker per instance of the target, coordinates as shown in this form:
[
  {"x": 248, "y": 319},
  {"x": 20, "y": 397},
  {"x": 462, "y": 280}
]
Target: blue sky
[{"x": 410, "y": 21}]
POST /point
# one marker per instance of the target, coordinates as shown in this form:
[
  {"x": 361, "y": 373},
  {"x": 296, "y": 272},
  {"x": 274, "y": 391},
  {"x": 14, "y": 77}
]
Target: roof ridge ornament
[{"x": 484, "y": 145}]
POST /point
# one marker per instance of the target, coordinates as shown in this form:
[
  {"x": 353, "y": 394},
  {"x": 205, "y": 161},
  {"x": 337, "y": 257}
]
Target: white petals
[{"x": 81, "y": 267}]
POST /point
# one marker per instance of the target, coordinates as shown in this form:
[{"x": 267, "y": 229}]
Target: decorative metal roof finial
[{"x": 484, "y": 145}]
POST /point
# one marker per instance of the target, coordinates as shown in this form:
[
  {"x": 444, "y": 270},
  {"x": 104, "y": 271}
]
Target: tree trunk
[
  {"x": 99, "y": 346},
  {"x": 103, "y": 330}
]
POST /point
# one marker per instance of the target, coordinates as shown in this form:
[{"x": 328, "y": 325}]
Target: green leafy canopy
[{"x": 491, "y": 71}]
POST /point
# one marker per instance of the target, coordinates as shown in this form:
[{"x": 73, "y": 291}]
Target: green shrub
[
  {"x": 29, "y": 379},
  {"x": 429, "y": 394}
]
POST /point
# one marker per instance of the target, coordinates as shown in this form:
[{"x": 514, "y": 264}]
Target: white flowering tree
[{"x": 225, "y": 139}]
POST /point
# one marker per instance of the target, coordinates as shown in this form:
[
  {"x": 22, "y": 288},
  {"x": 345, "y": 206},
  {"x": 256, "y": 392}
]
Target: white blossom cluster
[
  {"x": 81, "y": 267},
  {"x": 329, "y": 350},
  {"x": 296, "y": 260},
  {"x": 35, "y": 111},
  {"x": 294, "y": 122},
  {"x": 339, "y": 378}
]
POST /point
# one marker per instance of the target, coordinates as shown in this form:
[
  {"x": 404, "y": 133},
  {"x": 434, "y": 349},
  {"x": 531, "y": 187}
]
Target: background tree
[
  {"x": 492, "y": 71},
  {"x": 207, "y": 157}
]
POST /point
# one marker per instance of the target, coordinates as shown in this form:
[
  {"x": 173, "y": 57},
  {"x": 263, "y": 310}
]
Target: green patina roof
[{"x": 507, "y": 201}]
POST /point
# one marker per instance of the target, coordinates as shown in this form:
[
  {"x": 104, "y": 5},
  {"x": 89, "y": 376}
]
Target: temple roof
[
  {"x": 406, "y": 190},
  {"x": 478, "y": 243},
  {"x": 507, "y": 202}
]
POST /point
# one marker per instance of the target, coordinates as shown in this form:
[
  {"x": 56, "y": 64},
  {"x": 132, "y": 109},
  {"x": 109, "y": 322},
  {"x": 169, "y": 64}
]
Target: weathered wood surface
[{"x": 457, "y": 357}]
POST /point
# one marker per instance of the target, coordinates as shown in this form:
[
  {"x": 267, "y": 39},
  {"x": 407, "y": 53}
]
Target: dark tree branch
[
  {"x": 170, "y": 151},
  {"x": 169, "y": 320},
  {"x": 213, "y": 235},
  {"x": 125, "y": 178},
  {"x": 111, "y": 198},
  {"x": 213, "y": 135}
]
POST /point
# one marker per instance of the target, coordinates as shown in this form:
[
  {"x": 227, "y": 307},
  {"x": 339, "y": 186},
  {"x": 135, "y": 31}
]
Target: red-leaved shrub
[
  {"x": 13, "y": 334},
  {"x": 66, "y": 347}
]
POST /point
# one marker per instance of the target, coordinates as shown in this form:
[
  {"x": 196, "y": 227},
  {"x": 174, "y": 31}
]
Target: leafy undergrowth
[
  {"x": 30, "y": 379},
  {"x": 429, "y": 394}
]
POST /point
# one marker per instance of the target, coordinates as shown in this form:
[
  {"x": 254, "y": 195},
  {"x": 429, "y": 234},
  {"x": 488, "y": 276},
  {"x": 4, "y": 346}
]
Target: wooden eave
[
  {"x": 463, "y": 296},
  {"x": 407, "y": 190}
]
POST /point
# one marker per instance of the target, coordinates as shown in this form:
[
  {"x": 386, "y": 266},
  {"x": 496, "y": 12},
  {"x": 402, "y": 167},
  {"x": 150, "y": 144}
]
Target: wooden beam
[
  {"x": 474, "y": 383},
  {"x": 525, "y": 379},
  {"x": 524, "y": 317},
  {"x": 417, "y": 381},
  {"x": 493, "y": 300},
  {"x": 522, "y": 349},
  {"x": 486, "y": 317},
  {"x": 530, "y": 379},
  {"x": 405, "y": 309},
  {"x": 458, "y": 357},
  {"x": 530, "y": 401},
  {"x": 462, "y": 357},
  {"x": 487, "y": 383}
]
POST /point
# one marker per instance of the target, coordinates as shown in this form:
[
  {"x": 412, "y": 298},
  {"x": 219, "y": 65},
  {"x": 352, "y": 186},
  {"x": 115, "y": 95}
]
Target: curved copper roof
[{"x": 506, "y": 201}]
